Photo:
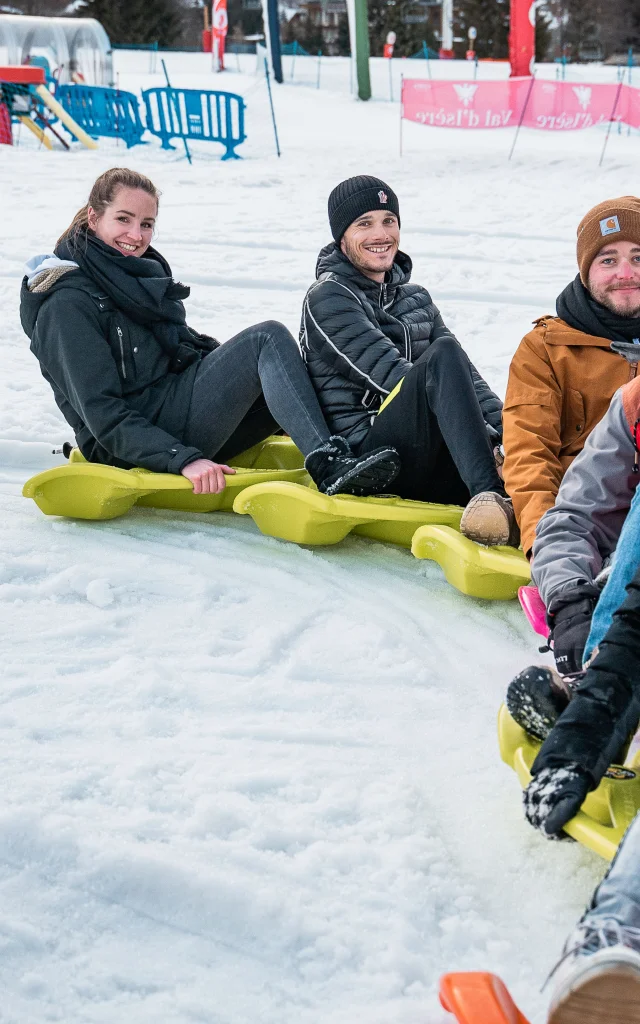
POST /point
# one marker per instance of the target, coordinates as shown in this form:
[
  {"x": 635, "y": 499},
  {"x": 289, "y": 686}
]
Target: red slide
[{"x": 477, "y": 997}]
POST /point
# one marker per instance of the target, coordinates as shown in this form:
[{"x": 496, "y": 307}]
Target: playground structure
[
  {"x": 74, "y": 48},
  {"x": 91, "y": 112},
  {"x": 25, "y": 98}
]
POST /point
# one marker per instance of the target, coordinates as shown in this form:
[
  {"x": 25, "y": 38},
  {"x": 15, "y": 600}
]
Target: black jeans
[
  {"x": 252, "y": 385},
  {"x": 435, "y": 423}
]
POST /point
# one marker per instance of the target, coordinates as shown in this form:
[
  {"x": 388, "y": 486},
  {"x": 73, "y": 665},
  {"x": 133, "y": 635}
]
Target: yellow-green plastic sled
[
  {"x": 492, "y": 573},
  {"x": 606, "y": 813},
  {"x": 304, "y": 516},
  {"x": 84, "y": 490}
]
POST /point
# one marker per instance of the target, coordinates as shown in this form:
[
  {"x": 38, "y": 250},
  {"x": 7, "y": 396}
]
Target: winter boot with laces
[
  {"x": 598, "y": 978},
  {"x": 537, "y": 697},
  {"x": 335, "y": 469},
  {"x": 489, "y": 519}
]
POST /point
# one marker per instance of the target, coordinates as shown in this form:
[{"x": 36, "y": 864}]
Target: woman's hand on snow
[{"x": 207, "y": 477}]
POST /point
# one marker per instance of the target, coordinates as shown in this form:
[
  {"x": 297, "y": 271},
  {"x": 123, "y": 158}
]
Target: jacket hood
[
  {"x": 37, "y": 265},
  {"x": 331, "y": 260},
  {"x": 44, "y": 274}
]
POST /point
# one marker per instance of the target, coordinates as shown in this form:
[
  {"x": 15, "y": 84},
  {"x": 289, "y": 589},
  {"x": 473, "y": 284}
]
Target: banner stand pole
[
  {"x": 401, "y": 108},
  {"x": 293, "y": 59},
  {"x": 175, "y": 107},
  {"x": 425, "y": 50},
  {"x": 630, "y": 63},
  {"x": 273, "y": 114},
  {"x": 524, "y": 110},
  {"x": 613, "y": 114}
]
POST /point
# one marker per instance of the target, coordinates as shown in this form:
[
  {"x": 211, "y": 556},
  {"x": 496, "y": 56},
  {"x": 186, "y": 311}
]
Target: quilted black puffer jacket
[{"x": 359, "y": 339}]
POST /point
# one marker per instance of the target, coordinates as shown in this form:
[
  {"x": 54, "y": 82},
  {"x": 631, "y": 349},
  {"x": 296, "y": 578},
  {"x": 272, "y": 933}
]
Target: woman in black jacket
[{"x": 141, "y": 388}]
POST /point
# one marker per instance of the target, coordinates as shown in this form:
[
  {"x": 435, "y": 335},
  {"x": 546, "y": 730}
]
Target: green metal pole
[{"x": 362, "y": 49}]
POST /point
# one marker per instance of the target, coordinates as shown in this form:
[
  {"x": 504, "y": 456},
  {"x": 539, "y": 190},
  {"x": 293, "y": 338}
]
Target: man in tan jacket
[{"x": 567, "y": 369}]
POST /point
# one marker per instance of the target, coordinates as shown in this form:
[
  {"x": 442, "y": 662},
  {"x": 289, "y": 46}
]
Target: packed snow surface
[{"x": 245, "y": 781}]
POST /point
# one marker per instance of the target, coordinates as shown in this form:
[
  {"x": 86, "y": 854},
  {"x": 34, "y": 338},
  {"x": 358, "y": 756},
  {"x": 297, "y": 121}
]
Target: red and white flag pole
[{"x": 219, "y": 26}]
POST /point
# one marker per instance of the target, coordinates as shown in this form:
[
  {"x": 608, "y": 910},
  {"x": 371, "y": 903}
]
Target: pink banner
[{"x": 553, "y": 106}]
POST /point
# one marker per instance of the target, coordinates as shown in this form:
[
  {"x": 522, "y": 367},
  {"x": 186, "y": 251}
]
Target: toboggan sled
[
  {"x": 272, "y": 487},
  {"x": 478, "y": 997},
  {"x": 608, "y": 810}
]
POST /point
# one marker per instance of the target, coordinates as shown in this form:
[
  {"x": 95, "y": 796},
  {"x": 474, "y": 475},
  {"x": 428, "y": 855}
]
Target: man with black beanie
[{"x": 388, "y": 371}]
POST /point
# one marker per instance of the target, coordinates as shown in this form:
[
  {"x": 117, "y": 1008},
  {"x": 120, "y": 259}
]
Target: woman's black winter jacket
[
  {"x": 359, "y": 339},
  {"x": 115, "y": 386}
]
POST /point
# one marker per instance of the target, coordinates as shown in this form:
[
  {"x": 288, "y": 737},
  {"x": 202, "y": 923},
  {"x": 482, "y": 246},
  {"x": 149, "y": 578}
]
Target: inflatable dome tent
[{"x": 72, "y": 45}]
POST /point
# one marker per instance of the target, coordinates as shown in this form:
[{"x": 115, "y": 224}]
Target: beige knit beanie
[{"x": 615, "y": 220}]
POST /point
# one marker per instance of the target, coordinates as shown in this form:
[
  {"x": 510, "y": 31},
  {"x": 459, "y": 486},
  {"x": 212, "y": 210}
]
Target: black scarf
[
  {"x": 143, "y": 288},
  {"x": 577, "y": 308}
]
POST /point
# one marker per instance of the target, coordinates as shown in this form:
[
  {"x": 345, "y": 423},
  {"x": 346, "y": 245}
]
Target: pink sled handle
[{"x": 533, "y": 607}]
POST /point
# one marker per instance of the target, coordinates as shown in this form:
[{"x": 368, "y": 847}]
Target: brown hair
[{"x": 103, "y": 193}]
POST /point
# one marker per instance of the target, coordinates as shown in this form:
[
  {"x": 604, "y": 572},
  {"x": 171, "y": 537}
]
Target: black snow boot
[
  {"x": 537, "y": 697},
  {"x": 335, "y": 469}
]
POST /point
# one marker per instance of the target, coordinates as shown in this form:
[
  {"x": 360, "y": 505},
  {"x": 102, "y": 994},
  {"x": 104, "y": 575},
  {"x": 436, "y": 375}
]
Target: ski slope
[{"x": 244, "y": 781}]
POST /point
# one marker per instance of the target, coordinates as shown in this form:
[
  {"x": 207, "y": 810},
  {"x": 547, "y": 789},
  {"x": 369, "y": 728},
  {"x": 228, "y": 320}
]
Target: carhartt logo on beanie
[
  {"x": 355, "y": 196},
  {"x": 615, "y": 220}
]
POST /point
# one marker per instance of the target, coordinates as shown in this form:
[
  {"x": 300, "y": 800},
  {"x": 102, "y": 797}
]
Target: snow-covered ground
[{"x": 245, "y": 781}]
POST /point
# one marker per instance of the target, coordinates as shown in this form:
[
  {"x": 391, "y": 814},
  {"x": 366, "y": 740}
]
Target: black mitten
[
  {"x": 554, "y": 797},
  {"x": 569, "y": 618}
]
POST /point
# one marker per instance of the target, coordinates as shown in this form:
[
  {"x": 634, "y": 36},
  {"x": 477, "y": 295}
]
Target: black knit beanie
[{"x": 355, "y": 196}]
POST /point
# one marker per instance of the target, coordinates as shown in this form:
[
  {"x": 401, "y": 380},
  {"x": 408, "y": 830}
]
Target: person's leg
[
  {"x": 625, "y": 563},
  {"x": 256, "y": 425},
  {"x": 406, "y": 422},
  {"x": 263, "y": 360},
  {"x": 618, "y": 895},
  {"x": 488, "y": 517},
  {"x": 257, "y": 380},
  {"x": 597, "y": 980},
  {"x": 436, "y": 424},
  {"x": 453, "y": 401}
]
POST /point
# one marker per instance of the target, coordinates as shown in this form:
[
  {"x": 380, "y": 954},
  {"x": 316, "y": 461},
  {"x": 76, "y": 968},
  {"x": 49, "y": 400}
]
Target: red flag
[
  {"x": 522, "y": 37},
  {"x": 220, "y": 23}
]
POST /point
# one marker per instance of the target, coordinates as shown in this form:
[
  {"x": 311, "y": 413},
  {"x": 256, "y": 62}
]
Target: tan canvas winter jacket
[{"x": 561, "y": 382}]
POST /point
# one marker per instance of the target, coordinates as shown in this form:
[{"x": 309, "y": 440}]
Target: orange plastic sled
[{"x": 477, "y": 997}]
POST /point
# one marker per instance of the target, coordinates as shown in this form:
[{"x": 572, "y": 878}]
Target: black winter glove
[
  {"x": 569, "y": 618},
  {"x": 554, "y": 797},
  {"x": 494, "y": 435}
]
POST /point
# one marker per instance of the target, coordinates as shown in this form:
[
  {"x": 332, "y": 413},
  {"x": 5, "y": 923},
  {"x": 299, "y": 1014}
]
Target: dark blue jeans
[
  {"x": 252, "y": 385},
  {"x": 618, "y": 896}
]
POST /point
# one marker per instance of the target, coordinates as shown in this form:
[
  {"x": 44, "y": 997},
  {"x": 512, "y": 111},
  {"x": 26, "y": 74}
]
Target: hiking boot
[
  {"x": 335, "y": 469},
  {"x": 537, "y": 697},
  {"x": 489, "y": 519},
  {"x": 598, "y": 979}
]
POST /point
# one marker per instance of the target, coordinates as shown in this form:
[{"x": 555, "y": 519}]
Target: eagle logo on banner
[
  {"x": 465, "y": 93},
  {"x": 583, "y": 94}
]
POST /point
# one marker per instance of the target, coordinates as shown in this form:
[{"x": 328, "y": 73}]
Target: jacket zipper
[
  {"x": 407, "y": 346},
  {"x": 124, "y": 372}
]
